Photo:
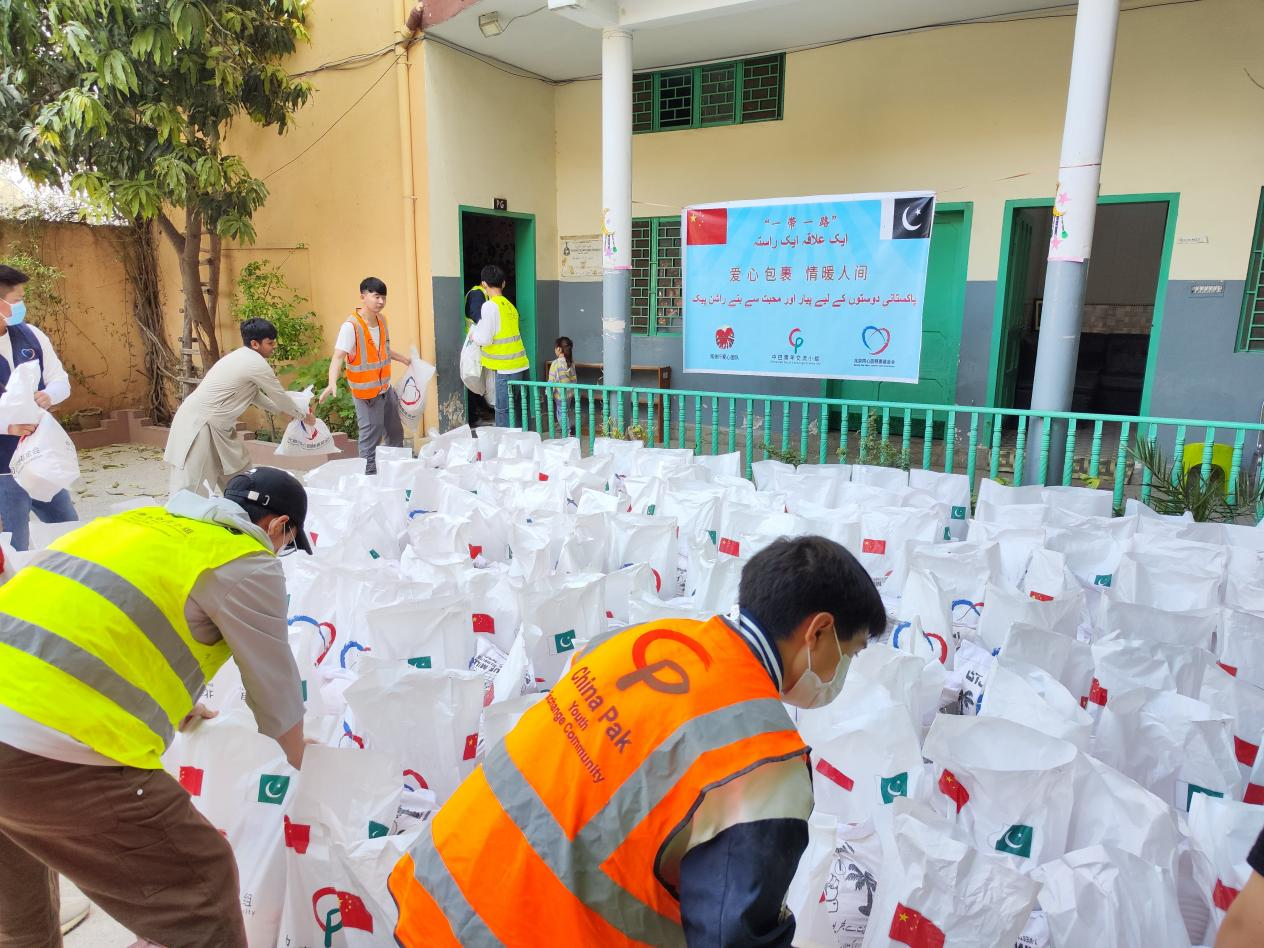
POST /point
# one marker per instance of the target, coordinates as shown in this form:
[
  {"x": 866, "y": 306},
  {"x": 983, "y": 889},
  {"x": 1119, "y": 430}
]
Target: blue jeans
[
  {"x": 16, "y": 506},
  {"x": 502, "y": 397}
]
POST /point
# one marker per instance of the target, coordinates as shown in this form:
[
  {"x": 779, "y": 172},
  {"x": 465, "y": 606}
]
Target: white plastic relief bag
[
  {"x": 471, "y": 366},
  {"x": 1241, "y": 645},
  {"x": 833, "y": 890},
  {"x": 1122, "y": 664},
  {"x": 886, "y": 532},
  {"x": 1003, "y": 607},
  {"x": 950, "y": 489},
  {"x": 1195, "y": 628},
  {"x": 1110, "y": 898},
  {"x": 1225, "y": 830},
  {"x": 1028, "y": 695},
  {"x": 239, "y": 780},
  {"x": 905, "y": 679},
  {"x": 923, "y": 619},
  {"x": 1179, "y": 584},
  {"x": 1068, "y": 660},
  {"x": 45, "y": 462},
  {"x": 1008, "y": 786},
  {"x": 1242, "y": 701},
  {"x": 565, "y": 610},
  {"x": 18, "y": 398},
  {"x": 651, "y": 540},
  {"x": 411, "y": 390},
  {"x": 301, "y": 439},
  {"x": 434, "y": 633},
  {"x": 935, "y": 890}
]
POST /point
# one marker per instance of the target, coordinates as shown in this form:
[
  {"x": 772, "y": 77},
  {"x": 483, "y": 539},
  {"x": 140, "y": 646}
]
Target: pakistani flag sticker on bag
[
  {"x": 272, "y": 788},
  {"x": 564, "y": 642},
  {"x": 1016, "y": 841},
  {"x": 893, "y": 787}
]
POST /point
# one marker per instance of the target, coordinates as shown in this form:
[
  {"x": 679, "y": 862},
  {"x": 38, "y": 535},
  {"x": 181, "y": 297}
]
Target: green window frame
[
  {"x": 657, "y": 299},
  {"x": 1251, "y": 323},
  {"x": 736, "y": 92}
]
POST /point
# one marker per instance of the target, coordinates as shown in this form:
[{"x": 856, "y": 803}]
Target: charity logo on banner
[{"x": 819, "y": 287}]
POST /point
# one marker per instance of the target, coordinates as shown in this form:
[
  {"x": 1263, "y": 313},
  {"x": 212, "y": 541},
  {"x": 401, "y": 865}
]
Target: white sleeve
[
  {"x": 488, "y": 325},
  {"x": 56, "y": 381},
  {"x": 346, "y": 339}
]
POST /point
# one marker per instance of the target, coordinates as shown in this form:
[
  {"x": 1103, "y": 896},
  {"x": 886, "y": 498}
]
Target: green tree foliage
[
  {"x": 262, "y": 293},
  {"x": 128, "y": 102}
]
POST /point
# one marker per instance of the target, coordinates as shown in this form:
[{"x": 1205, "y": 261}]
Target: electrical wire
[{"x": 335, "y": 122}]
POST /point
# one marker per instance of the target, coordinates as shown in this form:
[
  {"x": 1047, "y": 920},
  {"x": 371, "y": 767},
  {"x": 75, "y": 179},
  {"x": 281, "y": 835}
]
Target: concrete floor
[{"x": 98, "y": 930}]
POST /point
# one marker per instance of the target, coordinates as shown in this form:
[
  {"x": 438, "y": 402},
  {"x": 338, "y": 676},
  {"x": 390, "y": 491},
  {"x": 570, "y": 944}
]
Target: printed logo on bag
[
  {"x": 345, "y": 911},
  {"x": 1016, "y": 841},
  {"x": 421, "y": 782},
  {"x": 377, "y": 830},
  {"x": 298, "y": 836},
  {"x": 1041, "y": 597},
  {"x": 877, "y": 547},
  {"x": 963, "y": 609},
  {"x": 912, "y": 928},
  {"x": 348, "y": 735},
  {"x": 482, "y": 622},
  {"x": 471, "y": 747},
  {"x": 1103, "y": 579},
  {"x": 1222, "y": 896},
  {"x": 1246, "y": 751},
  {"x": 834, "y": 775},
  {"x": 191, "y": 780},
  {"x": 1194, "y": 788},
  {"x": 958, "y": 513},
  {"x": 410, "y": 392},
  {"x": 932, "y": 638},
  {"x": 351, "y": 646},
  {"x": 951, "y": 787},
  {"x": 731, "y": 547},
  {"x": 328, "y": 634},
  {"x": 647, "y": 672},
  {"x": 564, "y": 642},
  {"x": 893, "y": 787},
  {"x": 272, "y": 788},
  {"x": 421, "y": 661}
]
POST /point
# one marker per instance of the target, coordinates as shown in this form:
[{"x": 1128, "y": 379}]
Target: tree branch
[{"x": 172, "y": 232}]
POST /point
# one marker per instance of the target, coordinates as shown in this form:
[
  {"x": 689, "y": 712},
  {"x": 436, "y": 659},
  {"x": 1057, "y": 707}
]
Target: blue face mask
[{"x": 17, "y": 314}]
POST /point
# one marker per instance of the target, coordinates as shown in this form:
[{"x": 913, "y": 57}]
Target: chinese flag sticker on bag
[
  {"x": 878, "y": 547},
  {"x": 914, "y": 929},
  {"x": 951, "y": 787}
]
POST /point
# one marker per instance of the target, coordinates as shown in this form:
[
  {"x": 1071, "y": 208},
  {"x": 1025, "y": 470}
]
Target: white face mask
[{"x": 809, "y": 691}]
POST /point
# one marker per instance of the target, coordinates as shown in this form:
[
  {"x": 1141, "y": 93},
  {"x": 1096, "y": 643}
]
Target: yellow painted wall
[
  {"x": 975, "y": 113},
  {"x": 97, "y": 339},
  {"x": 488, "y": 134},
  {"x": 339, "y": 195}
]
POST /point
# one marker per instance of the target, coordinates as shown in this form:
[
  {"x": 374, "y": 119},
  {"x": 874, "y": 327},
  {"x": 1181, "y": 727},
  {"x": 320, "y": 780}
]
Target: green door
[
  {"x": 941, "y": 323},
  {"x": 1016, "y": 272}
]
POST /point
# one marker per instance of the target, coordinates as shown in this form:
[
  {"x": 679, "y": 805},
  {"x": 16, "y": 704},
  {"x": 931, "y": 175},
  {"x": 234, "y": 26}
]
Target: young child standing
[{"x": 562, "y": 372}]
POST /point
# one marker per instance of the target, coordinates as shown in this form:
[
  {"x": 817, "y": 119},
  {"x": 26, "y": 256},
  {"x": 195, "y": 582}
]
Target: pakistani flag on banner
[
  {"x": 1016, "y": 840},
  {"x": 893, "y": 787}
]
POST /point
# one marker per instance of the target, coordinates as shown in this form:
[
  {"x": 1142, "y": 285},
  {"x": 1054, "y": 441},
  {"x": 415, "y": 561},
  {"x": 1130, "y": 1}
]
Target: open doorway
[
  {"x": 1130, "y": 244},
  {"x": 507, "y": 240}
]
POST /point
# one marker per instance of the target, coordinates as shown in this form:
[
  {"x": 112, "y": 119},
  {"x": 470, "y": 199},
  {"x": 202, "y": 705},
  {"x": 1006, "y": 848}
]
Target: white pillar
[
  {"x": 1074, "y": 213},
  {"x": 616, "y": 200}
]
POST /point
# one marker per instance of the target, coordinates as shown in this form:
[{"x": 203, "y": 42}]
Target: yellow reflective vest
[
  {"x": 506, "y": 352},
  {"x": 93, "y": 638}
]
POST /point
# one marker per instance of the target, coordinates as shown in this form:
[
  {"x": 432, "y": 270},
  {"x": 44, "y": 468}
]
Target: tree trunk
[
  {"x": 139, "y": 256},
  {"x": 194, "y": 296}
]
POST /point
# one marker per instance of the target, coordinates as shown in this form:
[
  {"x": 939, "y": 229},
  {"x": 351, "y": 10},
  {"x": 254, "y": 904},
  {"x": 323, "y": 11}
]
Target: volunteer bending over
[
  {"x": 106, "y": 641},
  {"x": 660, "y": 794},
  {"x": 21, "y": 343},
  {"x": 204, "y": 448}
]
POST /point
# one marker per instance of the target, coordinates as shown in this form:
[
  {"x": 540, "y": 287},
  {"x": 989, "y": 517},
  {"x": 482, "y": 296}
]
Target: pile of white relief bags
[{"x": 1051, "y": 745}]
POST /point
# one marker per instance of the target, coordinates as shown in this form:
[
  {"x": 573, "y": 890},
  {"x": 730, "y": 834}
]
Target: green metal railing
[{"x": 930, "y": 437}]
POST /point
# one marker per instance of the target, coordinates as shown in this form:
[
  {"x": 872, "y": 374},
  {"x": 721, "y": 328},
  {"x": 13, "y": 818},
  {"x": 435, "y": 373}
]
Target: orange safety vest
[
  {"x": 556, "y": 839},
  {"x": 369, "y": 367}
]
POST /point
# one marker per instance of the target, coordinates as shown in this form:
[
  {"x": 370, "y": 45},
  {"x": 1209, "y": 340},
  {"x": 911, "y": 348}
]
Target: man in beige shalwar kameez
[{"x": 204, "y": 449}]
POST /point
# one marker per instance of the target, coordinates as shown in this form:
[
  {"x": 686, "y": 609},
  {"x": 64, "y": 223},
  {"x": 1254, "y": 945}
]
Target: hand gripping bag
[
  {"x": 936, "y": 890},
  {"x": 1008, "y": 786},
  {"x": 411, "y": 389},
  {"x": 303, "y": 440}
]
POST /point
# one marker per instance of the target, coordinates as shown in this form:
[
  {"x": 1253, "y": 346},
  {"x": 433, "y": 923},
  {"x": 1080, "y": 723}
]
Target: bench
[{"x": 641, "y": 376}]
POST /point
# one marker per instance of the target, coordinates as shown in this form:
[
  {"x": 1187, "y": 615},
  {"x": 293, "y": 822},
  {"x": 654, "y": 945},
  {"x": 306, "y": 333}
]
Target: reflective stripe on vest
[
  {"x": 369, "y": 372},
  {"x": 584, "y": 823},
  {"x": 506, "y": 352},
  {"x": 93, "y": 638}
]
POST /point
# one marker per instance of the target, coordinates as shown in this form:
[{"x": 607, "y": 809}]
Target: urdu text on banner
[{"x": 816, "y": 287}]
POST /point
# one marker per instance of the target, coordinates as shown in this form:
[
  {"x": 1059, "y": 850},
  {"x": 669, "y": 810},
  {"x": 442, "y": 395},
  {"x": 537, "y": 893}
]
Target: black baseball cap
[{"x": 271, "y": 490}]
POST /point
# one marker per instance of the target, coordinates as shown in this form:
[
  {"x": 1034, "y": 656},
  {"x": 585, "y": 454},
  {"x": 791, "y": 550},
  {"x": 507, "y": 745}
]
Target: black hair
[
  {"x": 493, "y": 275},
  {"x": 373, "y": 285},
  {"x": 798, "y": 577},
  {"x": 257, "y": 330},
  {"x": 564, "y": 343},
  {"x": 11, "y": 276}
]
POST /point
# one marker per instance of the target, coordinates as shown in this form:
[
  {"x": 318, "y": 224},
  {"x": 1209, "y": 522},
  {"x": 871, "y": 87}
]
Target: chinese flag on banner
[
  {"x": 951, "y": 787},
  {"x": 914, "y": 929},
  {"x": 708, "y": 225}
]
